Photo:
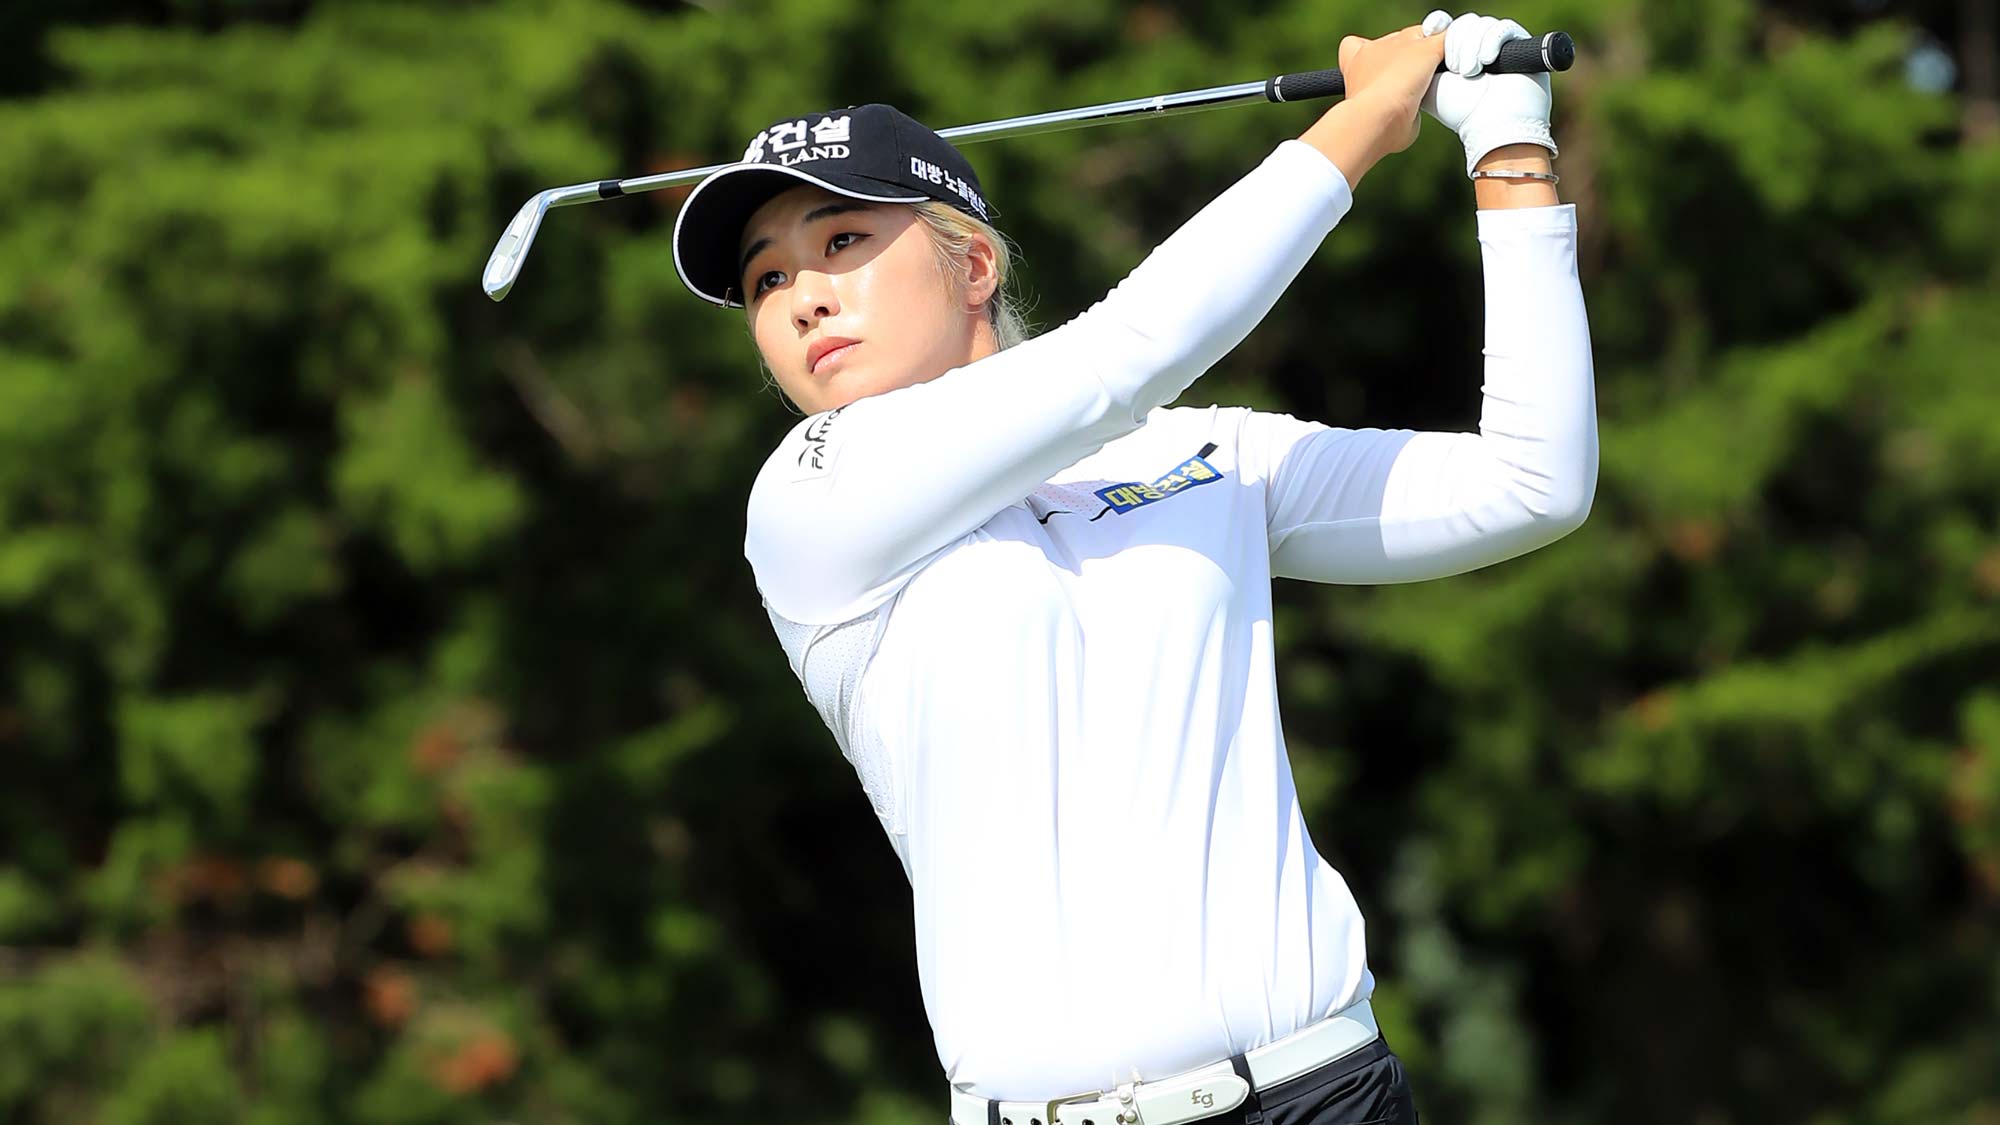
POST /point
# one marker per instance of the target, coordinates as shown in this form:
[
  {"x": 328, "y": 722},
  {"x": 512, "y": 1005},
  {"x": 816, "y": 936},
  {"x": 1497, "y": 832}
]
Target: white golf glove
[{"x": 1485, "y": 110}]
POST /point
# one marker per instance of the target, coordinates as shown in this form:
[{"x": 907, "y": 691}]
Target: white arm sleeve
[
  {"x": 1371, "y": 506},
  {"x": 855, "y": 501}
]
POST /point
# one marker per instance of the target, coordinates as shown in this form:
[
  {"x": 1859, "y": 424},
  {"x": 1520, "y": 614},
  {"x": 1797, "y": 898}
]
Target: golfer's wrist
[
  {"x": 1354, "y": 134},
  {"x": 1492, "y": 193}
]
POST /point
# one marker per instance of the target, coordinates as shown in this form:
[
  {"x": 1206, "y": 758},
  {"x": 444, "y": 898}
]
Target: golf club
[{"x": 1551, "y": 52}]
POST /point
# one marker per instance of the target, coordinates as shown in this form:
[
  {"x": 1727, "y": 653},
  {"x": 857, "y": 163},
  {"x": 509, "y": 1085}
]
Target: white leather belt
[{"x": 1190, "y": 1095}]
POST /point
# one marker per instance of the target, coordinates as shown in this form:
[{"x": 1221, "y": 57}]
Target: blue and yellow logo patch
[{"x": 1122, "y": 498}]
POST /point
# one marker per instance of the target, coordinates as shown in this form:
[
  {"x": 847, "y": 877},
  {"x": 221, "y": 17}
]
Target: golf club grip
[{"x": 1554, "y": 51}]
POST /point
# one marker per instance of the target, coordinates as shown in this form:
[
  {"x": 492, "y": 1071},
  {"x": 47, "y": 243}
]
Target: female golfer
[{"x": 1034, "y": 605}]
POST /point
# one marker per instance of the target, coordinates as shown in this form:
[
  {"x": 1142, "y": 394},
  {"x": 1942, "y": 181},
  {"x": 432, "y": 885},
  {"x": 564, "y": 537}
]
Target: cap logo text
[
  {"x": 787, "y": 141},
  {"x": 924, "y": 170},
  {"x": 816, "y": 152}
]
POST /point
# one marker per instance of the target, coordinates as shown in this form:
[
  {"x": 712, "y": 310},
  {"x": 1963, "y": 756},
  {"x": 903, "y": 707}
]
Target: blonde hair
[{"x": 952, "y": 232}]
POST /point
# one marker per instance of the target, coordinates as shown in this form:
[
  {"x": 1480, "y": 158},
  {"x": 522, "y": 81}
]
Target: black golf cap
[{"x": 874, "y": 152}]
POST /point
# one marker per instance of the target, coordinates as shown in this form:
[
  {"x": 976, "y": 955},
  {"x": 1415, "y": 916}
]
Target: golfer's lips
[{"x": 827, "y": 347}]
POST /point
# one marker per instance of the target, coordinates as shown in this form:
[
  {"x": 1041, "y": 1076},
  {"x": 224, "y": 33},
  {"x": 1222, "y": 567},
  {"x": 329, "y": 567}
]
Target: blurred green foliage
[{"x": 391, "y": 732}]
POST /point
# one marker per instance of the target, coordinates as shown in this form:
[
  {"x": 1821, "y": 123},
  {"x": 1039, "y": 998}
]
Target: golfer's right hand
[{"x": 1391, "y": 75}]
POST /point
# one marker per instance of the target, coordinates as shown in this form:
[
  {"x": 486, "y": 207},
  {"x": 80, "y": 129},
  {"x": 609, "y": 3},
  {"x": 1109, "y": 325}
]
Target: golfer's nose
[{"x": 813, "y": 299}]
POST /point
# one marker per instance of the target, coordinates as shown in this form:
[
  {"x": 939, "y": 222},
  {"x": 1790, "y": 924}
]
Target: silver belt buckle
[{"x": 1074, "y": 1099}]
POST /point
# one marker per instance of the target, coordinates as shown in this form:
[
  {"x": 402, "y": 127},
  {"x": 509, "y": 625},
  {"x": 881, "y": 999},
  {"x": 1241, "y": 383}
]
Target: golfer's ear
[{"x": 982, "y": 275}]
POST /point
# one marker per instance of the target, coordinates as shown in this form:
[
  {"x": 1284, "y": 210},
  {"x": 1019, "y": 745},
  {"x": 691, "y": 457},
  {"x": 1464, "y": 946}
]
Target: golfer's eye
[
  {"x": 843, "y": 240},
  {"x": 764, "y": 281}
]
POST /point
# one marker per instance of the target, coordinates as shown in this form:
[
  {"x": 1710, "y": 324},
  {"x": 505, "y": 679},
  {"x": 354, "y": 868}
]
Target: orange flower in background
[
  {"x": 1694, "y": 541},
  {"x": 211, "y": 878},
  {"x": 430, "y": 935},
  {"x": 1654, "y": 710},
  {"x": 390, "y": 996},
  {"x": 287, "y": 878},
  {"x": 1986, "y": 573},
  {"x": 437, "y": 749},
  {"x": 487, "y": 1059}
]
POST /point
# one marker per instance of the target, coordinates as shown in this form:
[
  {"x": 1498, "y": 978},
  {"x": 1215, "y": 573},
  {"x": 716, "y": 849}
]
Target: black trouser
[{"x": 1365, "y": 1087}]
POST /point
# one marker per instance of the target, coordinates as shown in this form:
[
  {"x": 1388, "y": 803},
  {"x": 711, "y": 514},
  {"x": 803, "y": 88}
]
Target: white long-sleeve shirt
[{"x": 1034, "y": 608}]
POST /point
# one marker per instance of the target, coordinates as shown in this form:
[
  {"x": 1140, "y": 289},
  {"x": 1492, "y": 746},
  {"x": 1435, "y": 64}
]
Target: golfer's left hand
[
  {"x": 1391, "y": 74},
  {"x": 1486, "y": 110}
]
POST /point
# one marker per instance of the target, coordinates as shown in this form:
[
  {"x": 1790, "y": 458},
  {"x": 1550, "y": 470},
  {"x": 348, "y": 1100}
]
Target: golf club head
[{"x": 512, "y": 250}]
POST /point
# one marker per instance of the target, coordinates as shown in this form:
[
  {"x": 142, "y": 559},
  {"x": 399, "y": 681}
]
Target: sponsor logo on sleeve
[{"x": 815, "y": 457}]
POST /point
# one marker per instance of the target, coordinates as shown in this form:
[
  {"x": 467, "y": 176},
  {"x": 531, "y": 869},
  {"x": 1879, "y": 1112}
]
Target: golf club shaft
[{"x": 1551, "y": 52}]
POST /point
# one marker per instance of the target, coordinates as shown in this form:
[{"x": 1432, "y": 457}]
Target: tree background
[{"x": 391, "y": 733}]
